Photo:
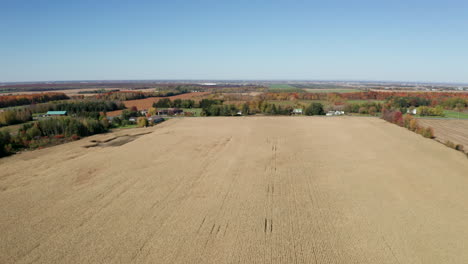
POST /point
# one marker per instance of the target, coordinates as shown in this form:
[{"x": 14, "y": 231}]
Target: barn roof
[{"x": 56, "y": 112}]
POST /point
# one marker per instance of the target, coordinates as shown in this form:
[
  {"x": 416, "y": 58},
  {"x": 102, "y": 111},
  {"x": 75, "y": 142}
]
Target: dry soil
[{"x": 238, "y": 190}]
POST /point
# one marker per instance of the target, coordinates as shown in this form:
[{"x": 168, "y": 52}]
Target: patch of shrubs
[
  {"x": 407, "y": 121},
  {"x": 458, "y": 147}
]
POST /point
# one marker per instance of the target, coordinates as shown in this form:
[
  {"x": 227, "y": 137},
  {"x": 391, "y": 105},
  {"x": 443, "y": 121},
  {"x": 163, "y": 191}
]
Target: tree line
[
  {"x": 26, "y": 99},
  {"x": 16, "y": 116},
  {"x": 407, "y": 121},
  {"x": 50, "y": 131},
  {"x": 82, "y": 108},
  {"x": 176, "y": 103}
]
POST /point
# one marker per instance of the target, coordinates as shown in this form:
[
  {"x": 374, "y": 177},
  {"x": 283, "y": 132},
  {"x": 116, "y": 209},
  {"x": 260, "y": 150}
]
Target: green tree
[
  {"x": 245, "y": 109},
  {"x": 142, "y": 122},
  {"x": 315, "y": 109}
]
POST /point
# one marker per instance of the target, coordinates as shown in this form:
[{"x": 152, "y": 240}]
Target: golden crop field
[
  {"x": 238, "y": 190},
  {"x": 455, "y": 131}
]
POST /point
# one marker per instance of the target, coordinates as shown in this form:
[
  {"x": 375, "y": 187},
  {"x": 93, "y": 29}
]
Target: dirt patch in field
[{"x": 114, "y": 140}]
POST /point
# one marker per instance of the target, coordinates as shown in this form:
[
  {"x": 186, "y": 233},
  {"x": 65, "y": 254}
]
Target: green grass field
[
  {"x": 281, "y": 86},
  {"x": 455, "y": 114},
  {"x": 284, "y": 88}
]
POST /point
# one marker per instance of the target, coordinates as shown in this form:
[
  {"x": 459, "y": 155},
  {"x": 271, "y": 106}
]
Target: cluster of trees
[
  {"x": 5, "y": 143},
  {"x": 408, "y": 101},
  {"x": 177, "y": 103},
  {"x": 314, "y": 109},
  {"x": 82, "y": 108},
  {"x": 217, "y": 108},
  {"x": 79, "y": 107},
  {"x": 273, "y": 109},
  {"x": 455, "y": 103},
  {"x": 371, "y": 108},
  {"x": 98, "y": 91},
  {"x": 221, "y": 110},
  {"x": 66, "y": 126},
  {"x": 364, "y": 95},
  {"x": 15, "y": 116},
  {"x": 122, "y": 96},
  {"x": 132, "y": 112},
  {"x": 431, "y": 111},
  {"x": 49, "y": 131},
  {"x": 407, "y": 121},
  {"x": 212, "y": 107},
  {"x": 25, "y": 99}
]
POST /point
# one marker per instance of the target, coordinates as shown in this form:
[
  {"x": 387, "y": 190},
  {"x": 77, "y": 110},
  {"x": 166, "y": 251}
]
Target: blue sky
[{"x": 313, "y": 40}]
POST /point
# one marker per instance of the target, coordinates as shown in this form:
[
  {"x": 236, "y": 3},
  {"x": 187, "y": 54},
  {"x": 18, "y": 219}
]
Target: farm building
[
  {"x": 170, "y": 111},
  {"x": 335, "y": 113},
  {"x": 155, "y": 119},
  {"x": 412, "y": 111},
  {"x": 297, "y": 111},
  {"x": 56, "y": 113}
]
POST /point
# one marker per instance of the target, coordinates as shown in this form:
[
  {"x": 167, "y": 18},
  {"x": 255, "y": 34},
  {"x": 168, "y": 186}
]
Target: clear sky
[{"x": 407, "y": 40}]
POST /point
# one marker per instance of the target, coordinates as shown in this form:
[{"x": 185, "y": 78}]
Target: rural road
[{"x": 239, "y": 190}]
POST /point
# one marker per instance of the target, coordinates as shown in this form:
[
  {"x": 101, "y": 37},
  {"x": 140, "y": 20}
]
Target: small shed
[
  {"x": 56, "y": 113},
  {"x": 297, "y": 111}
]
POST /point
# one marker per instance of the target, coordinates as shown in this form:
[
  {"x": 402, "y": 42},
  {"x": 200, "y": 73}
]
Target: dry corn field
[
  {"x": 238, "y": 190},
  {"x": 455, "y": 131}
]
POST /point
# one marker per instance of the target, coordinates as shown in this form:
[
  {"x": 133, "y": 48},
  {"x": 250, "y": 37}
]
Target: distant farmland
[
  {"x": 284, "y": 88},
  {"x": 311, "y": 90}
]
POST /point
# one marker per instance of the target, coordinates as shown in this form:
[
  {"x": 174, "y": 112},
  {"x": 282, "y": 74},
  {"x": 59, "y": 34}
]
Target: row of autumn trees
[
  {"x": 50, "y": 131},
  {"x": 407, "y": 121},
  {"x": 212, "y": 107},
  {"x": 435, "y": 98},
  {"x": 27, "y": 99}
]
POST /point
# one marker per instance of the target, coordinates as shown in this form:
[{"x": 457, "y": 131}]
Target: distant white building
[
  {"x": 412, "y": 111},
  {"x": 297, "y": 111},
  {"x": 335, "y": 113}
]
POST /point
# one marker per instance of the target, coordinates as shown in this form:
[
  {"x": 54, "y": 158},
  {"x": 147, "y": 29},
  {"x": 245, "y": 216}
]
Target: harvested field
[
  {"x": 313, "y": 90},
  {"x": 239, "y": 190},
  {"x": 447, "y": 129},
  {"x": 146, "y": 103}
]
